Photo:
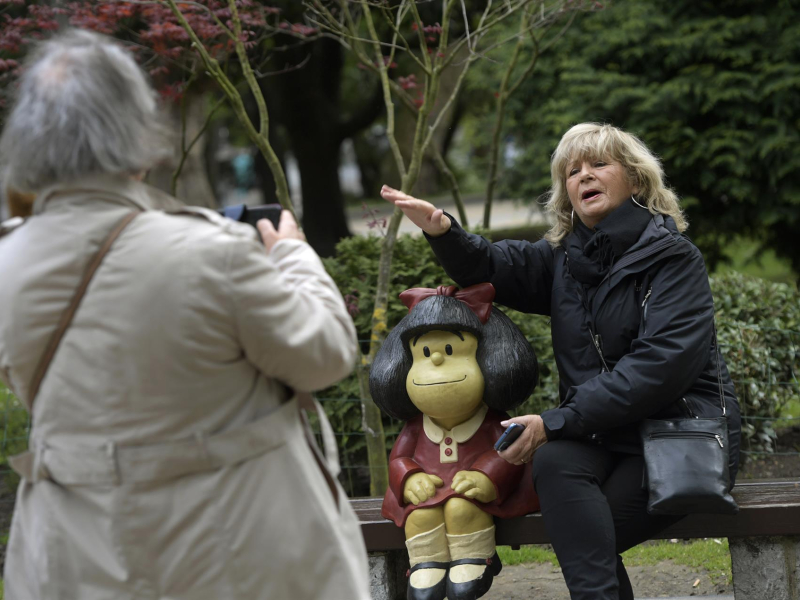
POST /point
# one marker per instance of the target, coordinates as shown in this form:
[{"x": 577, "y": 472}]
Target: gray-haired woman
[
  {"x": 632, "y": 327},
  {"x": 167, "y": 458}
]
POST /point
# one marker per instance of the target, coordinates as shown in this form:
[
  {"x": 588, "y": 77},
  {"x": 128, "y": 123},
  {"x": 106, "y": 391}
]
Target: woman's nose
[
  {"x": 586, "y": 172},
  {"x": 437, "y": 358}
]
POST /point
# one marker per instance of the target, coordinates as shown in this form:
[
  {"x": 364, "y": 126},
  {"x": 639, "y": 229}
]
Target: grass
[{"x": 711, "y": 555}]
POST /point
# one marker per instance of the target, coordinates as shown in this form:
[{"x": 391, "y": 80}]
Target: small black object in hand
[
  {"x": 253, "y": 214},
  {"x": 509, "y": 436}
]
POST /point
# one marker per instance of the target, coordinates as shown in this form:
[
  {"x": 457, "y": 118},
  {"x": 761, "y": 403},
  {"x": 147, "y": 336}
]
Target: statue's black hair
[{"x": 505, "y": 357}]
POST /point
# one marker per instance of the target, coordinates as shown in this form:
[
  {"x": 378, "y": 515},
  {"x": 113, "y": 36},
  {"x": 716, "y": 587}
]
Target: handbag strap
[
  {"x": 69, "y": 314},
  {"x": 719, "y": 370}
]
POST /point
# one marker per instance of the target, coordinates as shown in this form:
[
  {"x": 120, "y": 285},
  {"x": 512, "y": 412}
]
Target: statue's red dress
[{"x": 423, "y": 446}]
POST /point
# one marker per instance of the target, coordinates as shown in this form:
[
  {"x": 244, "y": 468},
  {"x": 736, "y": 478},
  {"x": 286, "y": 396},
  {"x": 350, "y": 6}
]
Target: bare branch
[
  {"x": 185, "y": 151},
  {"x": 397, "y": 33},
  {"x": 296, "y": 67},
  {"x": 387, "y": 95}
]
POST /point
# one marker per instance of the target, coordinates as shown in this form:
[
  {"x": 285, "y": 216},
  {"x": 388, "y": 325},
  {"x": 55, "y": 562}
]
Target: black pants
[{"x": 594, "y": 508}]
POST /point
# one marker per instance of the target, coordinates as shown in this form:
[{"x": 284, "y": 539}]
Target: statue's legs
[
  {"x": 427, "y": 543},
  {"x": 473, "y": 559}
]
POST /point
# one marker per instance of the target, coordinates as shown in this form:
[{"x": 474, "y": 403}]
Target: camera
[{"x": 253, "y": 214}]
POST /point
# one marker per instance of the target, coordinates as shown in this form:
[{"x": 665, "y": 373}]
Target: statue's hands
[
  {"x": 474, "y": 484},
  {"x": 420, "y": 487},
  {"x": 423, "y": 214}
]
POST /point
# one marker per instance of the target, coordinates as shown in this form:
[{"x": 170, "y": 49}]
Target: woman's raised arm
[{"x": 520, "y": 271}]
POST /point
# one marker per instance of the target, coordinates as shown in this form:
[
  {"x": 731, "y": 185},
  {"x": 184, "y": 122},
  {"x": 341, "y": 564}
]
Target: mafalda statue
[{"x": 450, "y": 369}]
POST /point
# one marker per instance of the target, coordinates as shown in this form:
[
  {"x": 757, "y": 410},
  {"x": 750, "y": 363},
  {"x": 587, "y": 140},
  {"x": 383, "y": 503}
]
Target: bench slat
[{"x": 766, "y": 508}]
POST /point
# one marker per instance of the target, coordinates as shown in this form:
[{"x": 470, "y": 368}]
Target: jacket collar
[
  {"x": 460, "y": 433},
  {"x": 104, "y": 189}
]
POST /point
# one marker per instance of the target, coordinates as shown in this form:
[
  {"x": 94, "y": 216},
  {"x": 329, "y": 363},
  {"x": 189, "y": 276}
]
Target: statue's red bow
[{"x": 478, "y": 297}]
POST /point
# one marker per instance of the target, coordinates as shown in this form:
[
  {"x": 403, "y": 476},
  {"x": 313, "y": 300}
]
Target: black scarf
[{"x": 592, "y": 252}]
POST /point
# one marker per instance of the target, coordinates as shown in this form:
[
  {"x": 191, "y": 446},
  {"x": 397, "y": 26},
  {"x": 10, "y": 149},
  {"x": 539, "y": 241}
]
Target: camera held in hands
[{"x": 253, "y": 214}]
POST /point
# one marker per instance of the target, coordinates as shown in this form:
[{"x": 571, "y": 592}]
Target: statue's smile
[{"x": 440, "y": 382}]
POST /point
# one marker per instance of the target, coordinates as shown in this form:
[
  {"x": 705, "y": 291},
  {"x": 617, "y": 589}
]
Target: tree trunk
[
  {"x": 306, "y": 103},
  {"x": 324, "y": 220}
]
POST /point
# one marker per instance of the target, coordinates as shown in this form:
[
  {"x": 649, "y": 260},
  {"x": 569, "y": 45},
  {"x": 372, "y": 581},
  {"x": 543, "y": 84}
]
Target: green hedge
[{"x": 758, "y": 324}]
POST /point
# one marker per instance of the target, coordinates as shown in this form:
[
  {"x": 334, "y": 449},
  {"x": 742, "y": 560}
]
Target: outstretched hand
[{"x": 423, "y": 214}]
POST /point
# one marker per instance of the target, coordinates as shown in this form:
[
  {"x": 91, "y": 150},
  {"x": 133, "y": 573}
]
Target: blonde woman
[{"x": 633, "y": 337}]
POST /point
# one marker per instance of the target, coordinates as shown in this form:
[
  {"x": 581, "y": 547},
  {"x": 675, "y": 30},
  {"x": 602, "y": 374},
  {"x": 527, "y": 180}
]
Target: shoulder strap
[
  {"x": 67, "y": 315},
  {"x": 719, "y": 370}
]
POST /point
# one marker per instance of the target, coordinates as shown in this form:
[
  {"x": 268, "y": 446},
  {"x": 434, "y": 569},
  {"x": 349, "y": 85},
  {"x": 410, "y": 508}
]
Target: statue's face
[{"x": 445, "y": 380}]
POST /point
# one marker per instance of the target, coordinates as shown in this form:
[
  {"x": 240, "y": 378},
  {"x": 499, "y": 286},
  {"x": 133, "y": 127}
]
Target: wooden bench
[{"x": 764, "y": 540}]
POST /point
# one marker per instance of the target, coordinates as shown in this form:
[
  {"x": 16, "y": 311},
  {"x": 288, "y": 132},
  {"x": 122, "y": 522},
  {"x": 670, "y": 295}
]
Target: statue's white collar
[{"x": 460, "y": 433}]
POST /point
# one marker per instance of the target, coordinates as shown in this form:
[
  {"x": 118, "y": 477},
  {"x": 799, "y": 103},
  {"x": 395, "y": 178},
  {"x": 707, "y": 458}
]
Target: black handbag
[{"x": 686, "y": 462}]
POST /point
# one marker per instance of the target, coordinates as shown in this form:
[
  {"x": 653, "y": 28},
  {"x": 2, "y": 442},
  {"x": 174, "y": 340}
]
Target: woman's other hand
[
  {"x": 423, "y": 214},
  {"x": 533, "y": 436},
  {"x": 420, "y": 486},
  {"x": 475, "y": 485},
  {"x": 287, "y": 230}
]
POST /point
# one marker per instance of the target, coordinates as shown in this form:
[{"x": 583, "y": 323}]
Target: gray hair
[{"x": 83, "y": 107}]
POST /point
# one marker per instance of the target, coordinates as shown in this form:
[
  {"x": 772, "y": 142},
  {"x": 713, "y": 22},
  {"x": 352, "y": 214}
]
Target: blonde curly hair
[{"x": 592, "y": 141}]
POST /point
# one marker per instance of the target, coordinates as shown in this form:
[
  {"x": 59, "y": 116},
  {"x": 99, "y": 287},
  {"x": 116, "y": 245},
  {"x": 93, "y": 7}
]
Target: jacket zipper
[
  {"x": 705, "y": 435},
  {"x": 644, "y": 308},
  {"x": 598, "y": 346}
]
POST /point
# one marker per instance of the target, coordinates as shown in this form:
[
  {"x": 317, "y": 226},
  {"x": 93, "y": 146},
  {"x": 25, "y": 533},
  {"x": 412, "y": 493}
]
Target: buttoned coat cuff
[{"x": 560, "y": 423}]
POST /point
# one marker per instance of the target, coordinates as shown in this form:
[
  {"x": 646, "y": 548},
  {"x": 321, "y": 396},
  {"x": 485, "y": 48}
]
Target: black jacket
[{"x": 651, "y": 320}]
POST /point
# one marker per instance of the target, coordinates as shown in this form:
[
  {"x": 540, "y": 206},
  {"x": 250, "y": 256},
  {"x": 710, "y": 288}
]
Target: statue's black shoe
[
  {"x": 475, "y": 588},
  {"x": 435, "y": 592}
]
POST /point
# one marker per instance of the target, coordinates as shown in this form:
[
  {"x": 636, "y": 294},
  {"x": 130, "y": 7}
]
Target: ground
[{"x": 544, "y": 582}]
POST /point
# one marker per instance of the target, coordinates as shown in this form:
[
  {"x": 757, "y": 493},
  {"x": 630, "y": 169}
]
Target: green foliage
[
  {"x": 15, "y": 423},
  {"x": 355, "y": 271},
  {"x": 746, "y": 256},
  {"x": 758, "y": 325},
  {"x": 712, "y": 87}
]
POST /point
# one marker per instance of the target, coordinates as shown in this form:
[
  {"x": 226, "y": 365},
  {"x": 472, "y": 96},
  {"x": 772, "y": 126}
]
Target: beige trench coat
[{"x": 166, "y": 460}]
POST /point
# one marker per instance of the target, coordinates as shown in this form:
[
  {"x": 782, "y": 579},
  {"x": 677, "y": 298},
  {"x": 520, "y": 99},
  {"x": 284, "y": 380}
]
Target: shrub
[{"x": 758, "y": 324}]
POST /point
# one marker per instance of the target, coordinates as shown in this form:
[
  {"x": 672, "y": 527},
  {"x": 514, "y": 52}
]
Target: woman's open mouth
[
  {"x": 590, "y": 195},
  {"x": 440, "y": 382}
]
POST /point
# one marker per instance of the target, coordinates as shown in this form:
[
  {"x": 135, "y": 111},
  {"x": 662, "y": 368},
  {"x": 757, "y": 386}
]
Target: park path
[
  {"x": 505, "y": 214},
  {"x": 536, "y": 581}
]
